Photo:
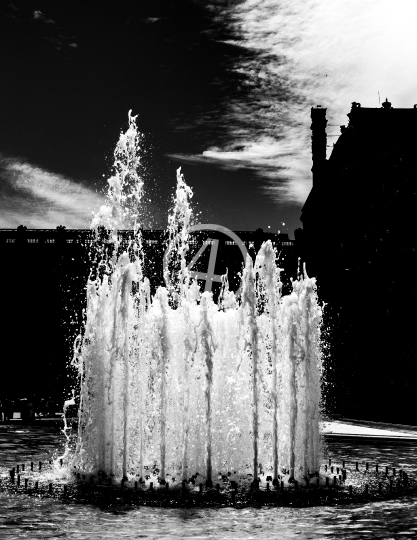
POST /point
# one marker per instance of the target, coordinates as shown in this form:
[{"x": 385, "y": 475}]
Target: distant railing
[{"x": 151, "y": 237}]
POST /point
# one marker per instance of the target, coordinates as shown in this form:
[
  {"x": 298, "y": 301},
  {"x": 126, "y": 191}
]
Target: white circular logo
[{"x": 209, "y": 277}]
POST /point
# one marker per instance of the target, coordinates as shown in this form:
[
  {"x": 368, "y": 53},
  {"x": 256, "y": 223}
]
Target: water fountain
[
  {"x": 183, "y": 387},
  {"x": 189, "y": 402}
]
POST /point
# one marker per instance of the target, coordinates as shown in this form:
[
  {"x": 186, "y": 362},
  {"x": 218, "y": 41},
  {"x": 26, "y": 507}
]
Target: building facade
[{"x": 359, "y": 240}]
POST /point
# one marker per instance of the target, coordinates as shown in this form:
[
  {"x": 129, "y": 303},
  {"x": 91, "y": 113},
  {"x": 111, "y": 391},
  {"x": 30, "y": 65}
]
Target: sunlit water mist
[{"x": 180, "y": 386}]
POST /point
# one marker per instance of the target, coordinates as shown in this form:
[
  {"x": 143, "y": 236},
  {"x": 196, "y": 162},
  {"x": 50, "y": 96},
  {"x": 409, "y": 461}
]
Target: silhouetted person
[
  {"x": 7, "y": 409},
  {"x": 24, "y": 410}
]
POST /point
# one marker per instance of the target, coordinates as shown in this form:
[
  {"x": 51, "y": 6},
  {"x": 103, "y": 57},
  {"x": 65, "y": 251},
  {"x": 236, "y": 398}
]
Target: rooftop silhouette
[{"x": 358, "y": 240}]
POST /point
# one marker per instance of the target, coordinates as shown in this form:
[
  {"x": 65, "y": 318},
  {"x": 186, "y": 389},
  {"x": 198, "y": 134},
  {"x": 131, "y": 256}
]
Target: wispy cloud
[
  {"x": 37, "y": 198},
  {"x": 311, "y": 52}
]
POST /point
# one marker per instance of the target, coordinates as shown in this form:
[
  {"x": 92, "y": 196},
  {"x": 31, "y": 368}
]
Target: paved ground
[{"x": 368, "y": 429}]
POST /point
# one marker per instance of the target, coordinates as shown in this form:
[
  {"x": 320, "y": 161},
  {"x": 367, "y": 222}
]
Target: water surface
[{"x": 33, "y": 518}]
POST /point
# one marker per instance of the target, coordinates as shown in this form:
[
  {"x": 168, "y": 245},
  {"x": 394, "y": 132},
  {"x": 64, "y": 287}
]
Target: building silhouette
[
  {"x": 359, "y": 240},
  {"x": 44, "y": 276}
]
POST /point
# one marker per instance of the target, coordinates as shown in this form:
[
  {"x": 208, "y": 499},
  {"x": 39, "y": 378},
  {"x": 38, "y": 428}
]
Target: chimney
[{"x": 318, "y": 142}]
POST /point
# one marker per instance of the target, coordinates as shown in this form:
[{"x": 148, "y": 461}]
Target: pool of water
[{"x": 27, "y": 517}]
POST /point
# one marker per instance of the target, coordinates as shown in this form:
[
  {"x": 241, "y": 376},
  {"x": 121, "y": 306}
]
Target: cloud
[
  {"x": 310, "y": 52},
  {"x": 37, "y": 198},
  {"x": 38, "y": 15},
  {"x": 271, "y": 159}
]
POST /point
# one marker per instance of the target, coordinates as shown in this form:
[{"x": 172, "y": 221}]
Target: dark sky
[
  {"x": 71, "y": 71},
  {"x": 222, "y": 88},
  {"x": 74, "y": 69}
]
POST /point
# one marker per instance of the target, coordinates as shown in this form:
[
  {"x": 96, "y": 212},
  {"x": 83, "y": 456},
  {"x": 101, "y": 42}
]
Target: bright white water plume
[{"x": 179, "y": 385}]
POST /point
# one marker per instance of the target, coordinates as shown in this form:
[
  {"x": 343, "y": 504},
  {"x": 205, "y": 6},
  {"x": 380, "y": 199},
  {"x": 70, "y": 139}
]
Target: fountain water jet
[{"x": 180, "y": 386}]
